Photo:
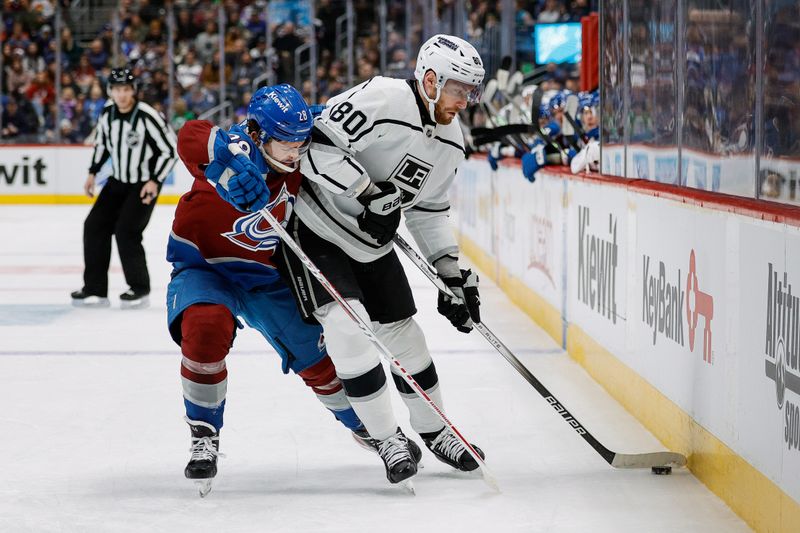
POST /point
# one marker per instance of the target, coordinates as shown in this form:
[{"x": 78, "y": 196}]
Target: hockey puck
[{"x": 661, "y": 470}]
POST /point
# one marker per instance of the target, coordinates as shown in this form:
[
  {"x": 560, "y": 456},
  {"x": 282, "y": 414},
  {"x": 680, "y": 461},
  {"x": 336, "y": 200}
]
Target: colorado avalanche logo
[{"x": 254, "y": 232}]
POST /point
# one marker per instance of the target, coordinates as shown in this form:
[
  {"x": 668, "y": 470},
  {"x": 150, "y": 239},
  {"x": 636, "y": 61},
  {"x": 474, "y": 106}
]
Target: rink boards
[
  {"x": 685, "y": 307},
  {"x": 55, "y": 174}
]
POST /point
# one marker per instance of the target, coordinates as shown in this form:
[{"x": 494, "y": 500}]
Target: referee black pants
[{"x": 118, "y": 211}]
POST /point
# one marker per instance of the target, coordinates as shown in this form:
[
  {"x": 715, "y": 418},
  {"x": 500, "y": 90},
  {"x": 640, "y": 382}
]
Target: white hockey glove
[
  {"x": 381, "y": 214},
  {"x": 465, "y": 310}
]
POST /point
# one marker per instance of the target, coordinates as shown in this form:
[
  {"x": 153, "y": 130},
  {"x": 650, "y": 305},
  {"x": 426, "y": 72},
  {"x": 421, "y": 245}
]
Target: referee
[{"x": 141, "y": 146}]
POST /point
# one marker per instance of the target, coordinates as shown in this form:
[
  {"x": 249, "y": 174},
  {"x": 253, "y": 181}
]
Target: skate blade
[
  {"x": 141, "y": 303},
  {"x": 94, "y": 303},
  {"x": 408, "y": 486},
  {"x": 204, "y": 486}
]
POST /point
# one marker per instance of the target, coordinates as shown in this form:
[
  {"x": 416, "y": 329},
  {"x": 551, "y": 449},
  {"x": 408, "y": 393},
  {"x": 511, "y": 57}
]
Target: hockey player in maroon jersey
[{"x": 222, "y": 258}]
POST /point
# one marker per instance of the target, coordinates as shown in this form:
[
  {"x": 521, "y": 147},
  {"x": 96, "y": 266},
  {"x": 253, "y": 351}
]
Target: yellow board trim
[
  {"x": 9, "y": 199},
  {"x": 748, "y": 492}
]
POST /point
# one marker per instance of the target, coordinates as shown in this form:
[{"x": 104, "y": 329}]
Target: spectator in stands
[
  {"x": 69, "y": 135},
  {"x": 206, "y": 42},
  {"x": 185, "y": 28},
  {"x": 181, "y": 114},
  {"x": 18, "y": 120},
  {"x": 200, "y": 99},
  {"x": 553, "y": 11},
  {"x": 98, "y": 57},
  {"x": 67, "y": 103},
  {"x": 84, "y": 75},
  {"x": 41, "y": 93},
  {"x": 17, "y": 77},
  {"x": 19, "y": 38},
  {"x": 188, "y": 72},
  {"x": 128, "y": 45},
  {"x": 71, "y": 51},
  {"x": 95, "y": 103}
]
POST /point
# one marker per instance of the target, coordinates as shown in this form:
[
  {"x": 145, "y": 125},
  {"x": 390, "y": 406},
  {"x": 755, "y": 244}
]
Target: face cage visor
[
  {"x": 283, "y": 156},
  {"x": 463, "y": 91}
]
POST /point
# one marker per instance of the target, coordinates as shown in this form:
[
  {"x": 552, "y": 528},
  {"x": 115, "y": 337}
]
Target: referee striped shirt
[{"x": 140, "y": 143}]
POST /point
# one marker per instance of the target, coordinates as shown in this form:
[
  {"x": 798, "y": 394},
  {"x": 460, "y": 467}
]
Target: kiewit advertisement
[
  {"x": 678, "y": 306},
  {"x": 769, "y": 350},
  {"x": 596, "y": 274},
  {"x": 30, "y": 171}
]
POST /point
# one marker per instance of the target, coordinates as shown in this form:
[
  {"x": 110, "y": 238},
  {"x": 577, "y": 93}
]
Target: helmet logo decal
[
  {"x": 284, "y": 106},
  {"x": 254, "y": 232},
  {"x": 448, "y": 43}
]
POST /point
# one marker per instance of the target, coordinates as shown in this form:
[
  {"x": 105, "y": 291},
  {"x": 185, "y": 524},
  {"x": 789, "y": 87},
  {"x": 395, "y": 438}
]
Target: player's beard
[{"x": 443, "y": 116}]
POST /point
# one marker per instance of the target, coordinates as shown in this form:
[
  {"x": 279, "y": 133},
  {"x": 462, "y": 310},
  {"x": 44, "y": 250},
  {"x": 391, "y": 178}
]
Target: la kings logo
[
  {"x": 597, "y": 266},
  {"x": 782, "y": 351},
  {"x": 410, "y": 176}
]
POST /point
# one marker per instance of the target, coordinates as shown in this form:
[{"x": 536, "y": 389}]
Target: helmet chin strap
[
  {"x": 431, "y": 102},
  {"x": 274, "y": 162}
]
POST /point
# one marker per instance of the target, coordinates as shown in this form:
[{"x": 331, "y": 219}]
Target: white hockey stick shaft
[
  {"x": 384, "y": 351},
  {"x": 617, "y": 460}
]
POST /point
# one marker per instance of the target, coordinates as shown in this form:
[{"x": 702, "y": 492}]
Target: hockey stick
[
  {"x": 617, "y": 460},
  {"x": 570, "y": 112},
  {"x": 488, "y": 477},
  {"x": 488, "y": 108}
]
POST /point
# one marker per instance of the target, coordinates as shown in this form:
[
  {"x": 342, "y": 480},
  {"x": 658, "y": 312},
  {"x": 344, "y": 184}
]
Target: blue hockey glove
[
  {"x": 316, "y": 109},
  {"x": 492, "y": 160},
  {"x": 532, "y": 162},
  {"x": 247, "y": 189}
]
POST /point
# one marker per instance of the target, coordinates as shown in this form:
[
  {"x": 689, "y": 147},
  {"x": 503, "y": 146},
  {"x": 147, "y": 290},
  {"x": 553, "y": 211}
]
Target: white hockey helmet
[{"x": 450, "y": 58}]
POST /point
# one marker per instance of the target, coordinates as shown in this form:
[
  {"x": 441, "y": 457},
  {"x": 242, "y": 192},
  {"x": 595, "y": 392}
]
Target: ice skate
[
  {"x": 363, "y": 439},
  {"x": 132, "y": 299},
  {"x": 397, "y": 458},
  {"x": 448, "y": 449},
  {"x": 202, "y": 466},
  {"x": 83, "y": 299}
]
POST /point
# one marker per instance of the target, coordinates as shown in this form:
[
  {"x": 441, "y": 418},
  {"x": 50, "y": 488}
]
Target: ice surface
[{"x": 93, "y": 438}]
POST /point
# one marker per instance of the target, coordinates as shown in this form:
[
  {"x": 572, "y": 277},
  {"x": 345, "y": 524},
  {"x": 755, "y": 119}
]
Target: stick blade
[{"x": 648, "y": 460}]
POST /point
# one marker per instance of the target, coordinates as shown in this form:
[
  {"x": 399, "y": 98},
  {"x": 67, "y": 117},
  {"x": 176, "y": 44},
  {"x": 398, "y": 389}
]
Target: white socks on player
[
  {"x": 407, "y": 343},
  {"x": 354, "y": 355}
]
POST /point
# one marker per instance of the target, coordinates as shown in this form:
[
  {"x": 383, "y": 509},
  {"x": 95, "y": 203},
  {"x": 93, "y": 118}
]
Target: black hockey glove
[
  {"x": 465, "y": 311},
  {"x": 381, "y": 214}
]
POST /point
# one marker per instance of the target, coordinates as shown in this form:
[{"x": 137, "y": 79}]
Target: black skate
[
  {"x": 397, "y": 458},
  {"x": 448, "y": 449},
  {"x": 362, "y": 438},
  {"x": 132, "y": 299},
  {"x": 82, "y": 298},
  {"x": 202, "y": 465}
]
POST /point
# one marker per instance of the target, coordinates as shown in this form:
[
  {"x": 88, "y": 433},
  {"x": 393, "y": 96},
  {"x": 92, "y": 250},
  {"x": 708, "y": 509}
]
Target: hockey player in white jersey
[{"x": 384, "y": 147}]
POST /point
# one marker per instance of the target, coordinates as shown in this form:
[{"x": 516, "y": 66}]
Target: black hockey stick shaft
[{"x": 645, "y": 460}]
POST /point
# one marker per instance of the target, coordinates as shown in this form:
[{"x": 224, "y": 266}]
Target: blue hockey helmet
[
  {"x": 559, "y": 100},
  {"x": 281, "y": 113},
  {"x": 544, "y": 110}
]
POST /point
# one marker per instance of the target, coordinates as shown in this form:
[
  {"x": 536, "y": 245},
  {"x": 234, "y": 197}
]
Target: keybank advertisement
[
  {"x": 597, "y": 248},
  {"x": 680, "y": 273},
  {"x": 768, "y": 336},
  {"x": 61, "y": 170}
]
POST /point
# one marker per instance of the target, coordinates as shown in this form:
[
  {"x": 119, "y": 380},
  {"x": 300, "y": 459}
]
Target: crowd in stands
[{"x": 33, "y": 112}]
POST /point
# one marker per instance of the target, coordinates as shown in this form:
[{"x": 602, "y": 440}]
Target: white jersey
[{"x": 377, "y": 131}]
